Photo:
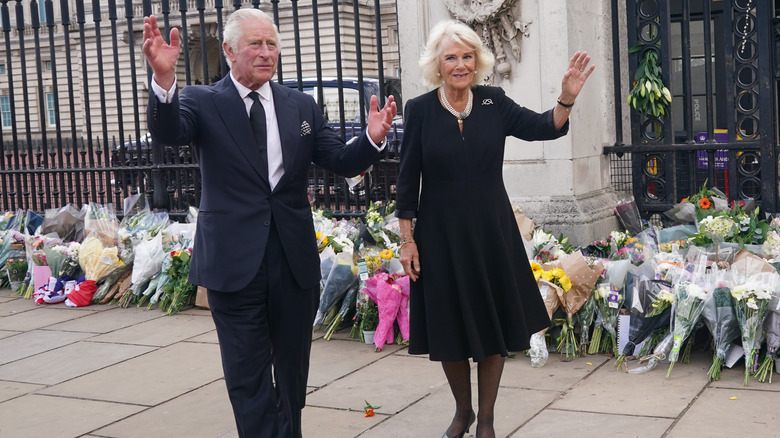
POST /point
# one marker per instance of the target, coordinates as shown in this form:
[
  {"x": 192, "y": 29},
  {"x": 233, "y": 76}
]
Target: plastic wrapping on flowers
[
  {"x": 660, "y": 354},
  {"x": 751, "y": 302},
  {"x": 721, "y": 319},
  {"x": 342, "y": 276},
  {"x": 538, "y": 350},
  {"x": 772, "y": 331},
  {"x": 649, "y": 311},
  {"x": 100, "y": 222},
  {"x": 97, "y": 261},
  {"x": 608, "y": 302}
]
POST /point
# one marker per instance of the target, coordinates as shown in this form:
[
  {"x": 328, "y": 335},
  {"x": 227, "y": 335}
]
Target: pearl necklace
[{"x": 459, "y": 115}]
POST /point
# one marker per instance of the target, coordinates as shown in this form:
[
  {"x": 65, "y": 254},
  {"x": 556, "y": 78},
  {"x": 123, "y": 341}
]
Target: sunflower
[{"x": 537, "y": 270}]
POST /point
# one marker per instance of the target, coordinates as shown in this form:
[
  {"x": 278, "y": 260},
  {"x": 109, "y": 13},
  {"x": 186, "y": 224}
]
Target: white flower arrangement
[
  {"x": 771, "y": 246},
  {"x": 719, "y": 226}
]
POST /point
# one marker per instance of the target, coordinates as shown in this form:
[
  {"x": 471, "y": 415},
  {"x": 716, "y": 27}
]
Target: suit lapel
[
  {"x": 232, "y": 110},
  {"x": 289, "y": 126}
]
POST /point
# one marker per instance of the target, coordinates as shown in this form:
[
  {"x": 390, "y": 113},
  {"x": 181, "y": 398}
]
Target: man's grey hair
[{"x": 234, "y": 28}]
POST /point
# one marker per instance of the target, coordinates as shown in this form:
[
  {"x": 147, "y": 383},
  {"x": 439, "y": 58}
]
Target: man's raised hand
[
  {"x": 381, "y": 122},
  {"x": 161, "y": 55}
]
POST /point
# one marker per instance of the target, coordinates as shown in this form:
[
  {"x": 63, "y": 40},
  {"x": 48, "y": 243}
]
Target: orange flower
[
  {"x": 705, "y": 203},
  {"x": 368, "y": 410}
]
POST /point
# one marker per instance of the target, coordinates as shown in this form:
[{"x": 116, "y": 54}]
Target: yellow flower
[
  {"x": 317, "y": 235},
  {"x": 537, "y": 270},
  {"x": 386, "y": 254},
  {"x": 557, "y": 272},
  {"x": 565, "y": 283},
  {"x": 325, "y": 240},
  {"x": 547, "y": 276}
]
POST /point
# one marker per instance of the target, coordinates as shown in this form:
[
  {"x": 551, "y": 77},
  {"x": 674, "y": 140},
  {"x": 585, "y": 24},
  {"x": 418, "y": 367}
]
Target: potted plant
[
  {"x": 17, "y": 270},
  {"x": 369, "y": 321}
]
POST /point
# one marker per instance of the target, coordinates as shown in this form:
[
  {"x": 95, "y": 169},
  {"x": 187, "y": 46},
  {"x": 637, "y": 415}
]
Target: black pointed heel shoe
[{"x": 472, "y": 419}]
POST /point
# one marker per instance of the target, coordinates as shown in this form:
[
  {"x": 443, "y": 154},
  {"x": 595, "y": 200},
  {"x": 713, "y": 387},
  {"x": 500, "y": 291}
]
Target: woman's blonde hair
[{"x": 458, "y": 33}]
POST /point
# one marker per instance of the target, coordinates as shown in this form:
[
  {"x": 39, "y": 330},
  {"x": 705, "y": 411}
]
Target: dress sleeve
[
  {"x": 408, "y": 185},
  {"x": 528, "y": 125}
]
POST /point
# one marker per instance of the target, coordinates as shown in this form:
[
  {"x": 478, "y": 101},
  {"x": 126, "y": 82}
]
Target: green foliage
[
  {"x": 369, "y": 316},
  {"x": 649, "y": 96}
]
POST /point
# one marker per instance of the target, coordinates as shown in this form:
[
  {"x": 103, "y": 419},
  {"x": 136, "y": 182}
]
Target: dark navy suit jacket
[{"x": 237, "y": 204}]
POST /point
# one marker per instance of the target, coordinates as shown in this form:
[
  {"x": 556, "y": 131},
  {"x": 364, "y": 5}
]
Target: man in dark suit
[{"x": 255, "y": 249}]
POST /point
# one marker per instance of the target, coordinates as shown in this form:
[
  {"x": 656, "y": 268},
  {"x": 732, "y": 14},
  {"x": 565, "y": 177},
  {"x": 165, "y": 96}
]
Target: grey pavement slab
[
  {"x": 206, "y": 410},
  {"x": 329, "y": 358},
  {"x": 608, "y": 390},
  {"x": 150, "y": 379},
  {"x": 160, "y": 331},
  {"x": 27, "y": 344},
  {"x": 61, "y": 364},
  {"x": 108, "y": 320},
  {"x": 553, "y": 422},
  {"x": 337, "y": 423},
  {"x": 10, "y": 390},
  {"x": 7, "y": 333},
  {"x": 555, "y": 375},
  {"x": 38, "y": 317},
  {"x": 210, "y": 337},
  {"x": 394, "y": 383},
  {"x": 431, "y": 415},
  {"x": 15, "y": 305},
  {"x": 753, "y": 413},
  {"x": 35, "y": 416}
]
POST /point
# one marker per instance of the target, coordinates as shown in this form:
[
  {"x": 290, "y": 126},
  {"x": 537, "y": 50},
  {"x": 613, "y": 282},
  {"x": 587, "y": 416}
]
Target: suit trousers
[{"x": 265, "y": 333}]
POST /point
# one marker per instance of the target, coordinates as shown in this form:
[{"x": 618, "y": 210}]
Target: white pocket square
[{"x": 305, "y": 128}]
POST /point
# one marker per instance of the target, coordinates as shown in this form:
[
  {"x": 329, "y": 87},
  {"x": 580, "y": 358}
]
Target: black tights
[{"x": 458, "y": 375}]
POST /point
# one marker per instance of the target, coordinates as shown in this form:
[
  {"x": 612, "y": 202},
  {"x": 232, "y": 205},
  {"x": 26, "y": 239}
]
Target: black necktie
[{"x": 257, "y": 120}]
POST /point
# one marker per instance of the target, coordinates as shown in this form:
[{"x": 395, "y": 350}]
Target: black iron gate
[
  {"x": 74, "y": 85},
  {"x": 718, "y": 60}
]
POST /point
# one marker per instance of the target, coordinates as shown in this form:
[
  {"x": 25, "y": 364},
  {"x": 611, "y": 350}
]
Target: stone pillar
[{"x": 563, "y": 185}]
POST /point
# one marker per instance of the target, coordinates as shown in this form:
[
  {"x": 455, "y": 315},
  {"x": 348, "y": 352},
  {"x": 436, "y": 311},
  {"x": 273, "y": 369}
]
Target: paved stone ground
[{"x": 103, "y": 371}]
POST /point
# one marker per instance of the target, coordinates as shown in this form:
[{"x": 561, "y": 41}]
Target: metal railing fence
[{"x": 74, "y": 86}]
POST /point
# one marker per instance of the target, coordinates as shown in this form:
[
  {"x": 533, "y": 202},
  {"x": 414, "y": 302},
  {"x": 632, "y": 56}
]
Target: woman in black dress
[{"x": 477, "y": 297}]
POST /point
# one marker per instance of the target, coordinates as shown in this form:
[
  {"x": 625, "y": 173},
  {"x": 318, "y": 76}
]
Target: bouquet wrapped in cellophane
[
  {"x": 172, "y": 290},
  {"x": 97, "y": 261},
  {"x": 721, "y": 319},
  {"x": 608, "y": 301},
  {"x": 581, "y": 279},
  {"x": 687, "y": 308},
  {"x": 648, "y": 312},
  {"x": 772, "y": 331},
  {"x": 751, "y": 303}
]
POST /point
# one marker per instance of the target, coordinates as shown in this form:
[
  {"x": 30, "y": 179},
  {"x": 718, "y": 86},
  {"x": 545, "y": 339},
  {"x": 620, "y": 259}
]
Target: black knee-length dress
[{"x": 476, "y": 295}]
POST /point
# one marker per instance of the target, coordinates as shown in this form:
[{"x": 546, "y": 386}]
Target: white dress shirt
[{"x": 273, "y": 140}]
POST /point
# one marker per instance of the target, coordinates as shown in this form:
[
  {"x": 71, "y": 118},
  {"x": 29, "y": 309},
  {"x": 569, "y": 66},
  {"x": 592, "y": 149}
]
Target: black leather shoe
[{"x": 472, "y": 419}]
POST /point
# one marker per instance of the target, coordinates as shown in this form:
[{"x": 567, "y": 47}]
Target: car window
[{"x": 331, "y": 106}]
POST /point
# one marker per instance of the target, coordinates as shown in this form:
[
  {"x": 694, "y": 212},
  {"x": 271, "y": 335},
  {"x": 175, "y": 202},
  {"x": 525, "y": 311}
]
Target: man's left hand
[{"x": 381, "y": 122}]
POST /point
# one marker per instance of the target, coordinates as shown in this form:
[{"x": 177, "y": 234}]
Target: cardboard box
[{"x": 201, "y": 298}]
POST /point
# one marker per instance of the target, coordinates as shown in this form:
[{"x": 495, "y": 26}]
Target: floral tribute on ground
[
  {"x": 83, "y": 256},
  {"x": 709, "y": 281},
  {"x": 644, "y": 296}
]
